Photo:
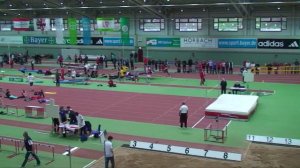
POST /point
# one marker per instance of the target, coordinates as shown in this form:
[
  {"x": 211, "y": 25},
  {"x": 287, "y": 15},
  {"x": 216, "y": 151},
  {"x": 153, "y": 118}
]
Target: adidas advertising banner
[
  {"x": 278, "y": 43},
  {"x": 198, "y": 42}
]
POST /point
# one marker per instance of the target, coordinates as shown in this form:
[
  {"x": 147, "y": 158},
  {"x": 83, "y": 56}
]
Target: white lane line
[
  {"x": 90, "y": 164},
  {"x": 71, "y": 150},
  {"x": 216, "y": 86},
  {"x": 228, "y": 123},
  {"x": 198, "y": 122}
]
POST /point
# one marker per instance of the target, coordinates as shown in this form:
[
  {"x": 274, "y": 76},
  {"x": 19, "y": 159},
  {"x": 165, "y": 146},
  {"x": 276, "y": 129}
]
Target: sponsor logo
[
  {"x": 152, "y": 42},
  {"x": 272, "y": 44},
  {"x": 294, "y": 45}
]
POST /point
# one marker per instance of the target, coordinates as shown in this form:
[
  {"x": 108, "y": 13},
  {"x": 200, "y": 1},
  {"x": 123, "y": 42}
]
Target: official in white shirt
[
  {"x": 108, "y": 152},
  {"x": 183, "y": 113},
  {"x": 30, "y": 79}
]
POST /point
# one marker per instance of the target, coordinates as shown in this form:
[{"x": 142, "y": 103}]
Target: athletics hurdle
[
  {"x": 45, "y": 146},
  {"x": 11, "y": 107},
  {"x": 15, "y": 142},
  {"x": 215, "y": 134}
]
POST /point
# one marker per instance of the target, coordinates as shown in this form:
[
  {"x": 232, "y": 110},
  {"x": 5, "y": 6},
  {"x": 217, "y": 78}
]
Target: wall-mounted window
[
  {"x": 228, "y": 24},
  {"x": 152, "y": 25},
  {"x": 188, "y": 24},
  {"x": 271, "y": 24},
  {"x": 5, "y": 25}
]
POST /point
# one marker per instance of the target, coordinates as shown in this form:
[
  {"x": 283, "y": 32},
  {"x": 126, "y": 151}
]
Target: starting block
[
  {"x": 15, "y": 79},
  {"x": 215, "y": 134}
]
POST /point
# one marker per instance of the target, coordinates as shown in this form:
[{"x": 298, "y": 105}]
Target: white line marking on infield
[
  {"x": 90, "y": 164},
  {"x": 71, "y": 150},
  {"x": 228, "y": 123},
  {"x": 198, "y": 122},
  {"x": 42, "y": 132}
]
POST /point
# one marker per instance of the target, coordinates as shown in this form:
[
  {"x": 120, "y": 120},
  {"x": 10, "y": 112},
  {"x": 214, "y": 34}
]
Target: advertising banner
[
  {"x": 41, "y": 24},
  {"x": 163, "y": 42},
  {"x": 38, "y": 40},
  {"x": 115, "y": 41},
  {"x": 72, "y": 23},
  {"x": 237, "y": 43},
  {"x": 11, "y": 40},
  {"x": 21, "y": 24},
  {"x": 278, "y": 43},
  {"x": 124, "y": 23},
  {"x": 59, "y": 26},
  {"x": 198, "y": 42},
  {"x": 80, "y": 41},
  {"x": 86, "y": 30},
  {"x": 106, "y": 24}
]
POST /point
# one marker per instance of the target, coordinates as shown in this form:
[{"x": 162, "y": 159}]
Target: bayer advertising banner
[
  {"x": 198, "y": 42},
  {"x": 237, "y": 43}
]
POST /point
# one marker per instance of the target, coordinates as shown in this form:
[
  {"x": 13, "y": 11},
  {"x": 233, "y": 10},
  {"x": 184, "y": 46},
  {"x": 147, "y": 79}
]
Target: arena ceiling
[{"x": 161, "y": 8}]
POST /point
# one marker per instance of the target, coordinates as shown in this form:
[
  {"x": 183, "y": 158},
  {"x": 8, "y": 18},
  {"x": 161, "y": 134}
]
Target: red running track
[{"x": 149, "y": 108}]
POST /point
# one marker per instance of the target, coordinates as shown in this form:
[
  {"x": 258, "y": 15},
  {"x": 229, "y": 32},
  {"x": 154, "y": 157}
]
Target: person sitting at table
[
  {"x": 72, "y": 115},
  {"x": 236, "y": 87},
  {"x": 62, "y": 119},
  {"x": 111, "y": 83}
]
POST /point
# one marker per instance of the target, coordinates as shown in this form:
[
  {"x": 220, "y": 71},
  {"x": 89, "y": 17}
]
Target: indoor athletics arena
[{"x": 149, "y": 83}]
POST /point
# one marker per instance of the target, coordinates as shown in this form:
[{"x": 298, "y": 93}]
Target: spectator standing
[
  {"x": 223, "y": 85},
  {"x": 1, "y": 61},
  {"x": 81, "y": 123},
  {"x": 108, "y": 152},
  {"x": 28, "y": 144},
  {"x": 60, "y": 61},
  {"x": 57, "y": 78}
]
